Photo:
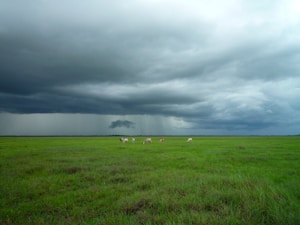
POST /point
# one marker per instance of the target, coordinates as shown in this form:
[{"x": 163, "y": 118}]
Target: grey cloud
[
  {"x": 121, "y": 123},
  {"x": 195, "y": 62}
]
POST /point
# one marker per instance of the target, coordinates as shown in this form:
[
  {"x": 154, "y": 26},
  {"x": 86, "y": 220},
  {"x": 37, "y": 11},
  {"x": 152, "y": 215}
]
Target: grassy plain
[{"x": 98, "y": 180}]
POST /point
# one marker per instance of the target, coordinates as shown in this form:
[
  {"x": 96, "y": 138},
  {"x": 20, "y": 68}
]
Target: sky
[{"x": 149, "y": 67}]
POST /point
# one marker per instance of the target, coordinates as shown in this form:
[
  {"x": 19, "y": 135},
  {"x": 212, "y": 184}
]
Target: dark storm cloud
[
  {"x": 235, "y": 65},
  {"x": 121, "y": 123}
]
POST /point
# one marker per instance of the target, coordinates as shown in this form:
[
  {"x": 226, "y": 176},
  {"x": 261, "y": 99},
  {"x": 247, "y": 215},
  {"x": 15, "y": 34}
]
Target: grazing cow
[
  {"x": 162, "y": 140},
  {"x": 189, "y": 139},
  {"x": 147, "y": 140},
  {"x": 133, "y": 140},
  {"x": 123, "y": 140}
]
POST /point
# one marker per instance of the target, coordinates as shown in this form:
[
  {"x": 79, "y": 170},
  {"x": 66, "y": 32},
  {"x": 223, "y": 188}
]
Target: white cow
[
  {"x": 147, "y": 140},
  {"x": 133, "y": 140},
  {"x": 189, "y": 139},
  {"x": 124, "y": 140},
  {"x": 162, "y": 140}
]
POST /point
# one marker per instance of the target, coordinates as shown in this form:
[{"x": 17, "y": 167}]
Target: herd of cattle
[{"x": 147, "y": 140}]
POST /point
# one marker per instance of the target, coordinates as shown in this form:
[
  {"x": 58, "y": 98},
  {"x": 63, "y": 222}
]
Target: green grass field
[{"x": 98, "y": 180}]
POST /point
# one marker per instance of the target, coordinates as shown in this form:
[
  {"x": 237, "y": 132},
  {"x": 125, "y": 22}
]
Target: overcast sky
[{"x": 141, "y": 67}]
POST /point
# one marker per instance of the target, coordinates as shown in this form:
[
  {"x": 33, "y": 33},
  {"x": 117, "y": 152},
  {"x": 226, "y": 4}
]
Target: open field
[{"x": 98, "y": 180}]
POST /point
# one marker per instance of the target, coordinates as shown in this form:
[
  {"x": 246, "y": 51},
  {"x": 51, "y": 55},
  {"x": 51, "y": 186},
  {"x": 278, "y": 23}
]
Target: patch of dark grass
[
  {"x": 120, "y": 179},
  {"x": 34, "y": 170},
  {"x": 143, "y": 186},
  {"x": 72, "y": 170},
  {"x": 69, "y": 170},
  {"x": 136, "y": 206}
]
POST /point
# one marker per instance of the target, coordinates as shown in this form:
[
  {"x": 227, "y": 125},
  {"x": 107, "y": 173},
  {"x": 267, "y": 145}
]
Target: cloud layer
[{"x": 228, "y": 67}]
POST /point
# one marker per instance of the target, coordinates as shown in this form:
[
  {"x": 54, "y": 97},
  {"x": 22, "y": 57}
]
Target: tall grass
[{"x": 98, "y": 180}]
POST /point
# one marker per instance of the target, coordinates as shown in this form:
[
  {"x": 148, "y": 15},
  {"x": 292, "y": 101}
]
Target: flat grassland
[{"x": 99, "y": 180}]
